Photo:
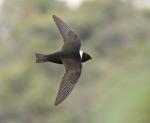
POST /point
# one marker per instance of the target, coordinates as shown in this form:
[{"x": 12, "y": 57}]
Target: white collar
[{"x": 81, "y": 54}]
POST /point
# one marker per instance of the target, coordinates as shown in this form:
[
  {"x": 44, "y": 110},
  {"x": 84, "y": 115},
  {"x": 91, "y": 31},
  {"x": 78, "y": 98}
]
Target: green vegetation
[{"x": 114, "y": 86}]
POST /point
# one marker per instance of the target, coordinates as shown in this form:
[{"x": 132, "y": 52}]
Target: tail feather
[{"x": 41, "y": 58}]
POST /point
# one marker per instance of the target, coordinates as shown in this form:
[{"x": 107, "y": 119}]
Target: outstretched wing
[
  {"x": 66, "y": 32},
  {"x": 68, "y": 82}
]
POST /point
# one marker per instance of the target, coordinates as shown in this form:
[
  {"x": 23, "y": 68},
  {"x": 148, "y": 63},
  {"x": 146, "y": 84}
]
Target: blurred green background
[{"x": 115, "y": 84}]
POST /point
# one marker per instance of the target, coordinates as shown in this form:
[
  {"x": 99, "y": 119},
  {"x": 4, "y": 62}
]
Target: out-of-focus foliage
[{"x": 114, "y": 86}]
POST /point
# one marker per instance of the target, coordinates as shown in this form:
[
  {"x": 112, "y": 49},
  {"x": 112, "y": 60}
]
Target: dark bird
[{"x": 70, "y": 56}]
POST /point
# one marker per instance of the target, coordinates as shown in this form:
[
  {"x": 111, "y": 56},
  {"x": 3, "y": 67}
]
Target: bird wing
[
  {"x": 68, "y": 82},
  {"x": 67, "y": 33}
]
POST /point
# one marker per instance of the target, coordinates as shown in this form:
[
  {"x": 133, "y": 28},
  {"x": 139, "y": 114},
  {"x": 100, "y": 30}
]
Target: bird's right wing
[{"x": 67, "y": 33}]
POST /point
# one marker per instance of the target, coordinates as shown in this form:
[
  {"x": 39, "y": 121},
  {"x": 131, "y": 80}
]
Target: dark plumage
[{"x": 70, "y": 56}]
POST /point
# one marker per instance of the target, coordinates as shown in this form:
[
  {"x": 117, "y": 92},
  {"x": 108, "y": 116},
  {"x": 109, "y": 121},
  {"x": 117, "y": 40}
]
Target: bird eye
[{"x": 75, "y": 36}]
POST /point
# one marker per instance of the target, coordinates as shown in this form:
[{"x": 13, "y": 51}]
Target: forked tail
[{"x": 41, "y": 58}]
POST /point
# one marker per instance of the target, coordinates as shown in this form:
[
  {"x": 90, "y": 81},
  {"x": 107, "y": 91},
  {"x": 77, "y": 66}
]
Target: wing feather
[
  {"x": 63, "y": 27},
  {"x": 67, "y": 84},
  {"x": 67, "y": 33}
]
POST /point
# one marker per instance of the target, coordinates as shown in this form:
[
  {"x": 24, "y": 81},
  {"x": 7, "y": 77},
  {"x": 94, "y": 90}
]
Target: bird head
[{"x": 86, "y": 57}]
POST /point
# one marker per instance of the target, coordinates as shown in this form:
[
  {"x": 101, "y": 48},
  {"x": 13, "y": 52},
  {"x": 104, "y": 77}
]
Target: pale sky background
[
  {"x": 77, "y": 3},
  {"x": 70, "y": 3},
  {"x": 1, "y": 2},
  {"x": 73, "y": 3},
  {"x": 142, "y": 3},
  {"x": 138, "y": 3}
]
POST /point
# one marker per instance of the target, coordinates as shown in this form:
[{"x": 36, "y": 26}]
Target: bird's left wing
[{"x": 68, "y": 82}]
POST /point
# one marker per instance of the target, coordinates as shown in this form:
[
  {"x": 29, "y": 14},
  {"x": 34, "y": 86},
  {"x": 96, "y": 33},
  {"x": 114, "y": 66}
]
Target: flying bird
[{"x": 70, "y": 56}]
